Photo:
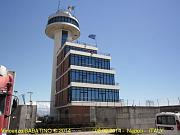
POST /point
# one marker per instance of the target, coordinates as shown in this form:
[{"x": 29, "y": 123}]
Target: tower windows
[
  {"x": 64, "y": 37},
  {"x": 89, "y": 61},
  {"x": 63, "y": 19},
  {"x": 91, "y": 77},
  {"x": 93, "y": 94}
]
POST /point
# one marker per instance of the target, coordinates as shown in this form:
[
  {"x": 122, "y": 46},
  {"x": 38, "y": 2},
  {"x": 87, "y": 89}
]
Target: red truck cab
[{"x": 6, "y": 90}]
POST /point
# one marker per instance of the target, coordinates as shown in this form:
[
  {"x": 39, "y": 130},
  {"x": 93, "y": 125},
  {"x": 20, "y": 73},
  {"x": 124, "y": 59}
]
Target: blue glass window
[
  {"x": 85, "y": 98},
  {"x": 110, "y": 79},
  {"x": 64, "y": 37},
  {"x": 93, "y": 62},
  {"x": 83, "y": 61},
  {"x": 107, "y": 96},
  {"x": 86, "y": 60},
  {"x": 89, "y": 61},
  {"x": 107, "y": 64},
  {"x": 102, "y": 96},
  {"x": 97, "y": 75},
  {"x": 94, "y": 94},
  {"x": 91, "y": 77},
  {"x": 117, "y": 96},
  {"x": 89, "y": 94},
  {"x": 72, "y": 60},
  {"x": 81, "y": 94},
  {"x": 73, "y": 76},
  {"x": 76, "y": 61},
  {"x": 105, "y": 80},
  {"x": 63, "y": 19},
  {"x": 111, "y": 97},
  {"x": 94, "y": 77},
  {"x": 88, "y": 77},
  {"x": 97, "y": 94},
  {"x": 84, "y": 77},
  {"x": 74, "y": 96}
]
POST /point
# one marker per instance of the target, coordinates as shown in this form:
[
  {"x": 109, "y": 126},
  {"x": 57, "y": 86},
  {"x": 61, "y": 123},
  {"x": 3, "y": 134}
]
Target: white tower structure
[{"x": 62, "y": 26}]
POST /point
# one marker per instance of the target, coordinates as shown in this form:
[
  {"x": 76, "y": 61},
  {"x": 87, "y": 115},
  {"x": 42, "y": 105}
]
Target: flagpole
[
  {"x": 92, "y": 36},
  {"x": 96, "y": 42}
]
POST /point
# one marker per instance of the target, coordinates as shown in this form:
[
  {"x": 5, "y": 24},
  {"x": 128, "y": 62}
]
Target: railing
[
  {"x": 84, "y": 43},
  {"x": 61, "y": 10},
  {"x": 106, "y": 54},
  {"x": 151, "y": 102}
]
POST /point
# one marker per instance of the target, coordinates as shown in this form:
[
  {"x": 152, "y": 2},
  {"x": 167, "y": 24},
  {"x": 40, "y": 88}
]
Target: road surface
[{"x": 83, "y": 133}]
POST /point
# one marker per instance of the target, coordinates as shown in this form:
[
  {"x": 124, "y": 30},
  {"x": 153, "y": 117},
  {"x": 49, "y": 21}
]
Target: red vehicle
[{"x": 6, "y": 90}]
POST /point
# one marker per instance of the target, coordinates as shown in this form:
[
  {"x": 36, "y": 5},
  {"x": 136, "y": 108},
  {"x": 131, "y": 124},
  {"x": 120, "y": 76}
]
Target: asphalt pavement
[{"x": 84, "y": 133}]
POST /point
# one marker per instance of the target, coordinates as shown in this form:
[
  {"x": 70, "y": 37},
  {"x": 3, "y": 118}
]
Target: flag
[{"x": 92, "y": 36}]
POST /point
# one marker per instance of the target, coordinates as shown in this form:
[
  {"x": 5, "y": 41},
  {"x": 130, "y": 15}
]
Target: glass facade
[
  {"x": 63, "y": 19},
  {"x": 64, "y": 37},
  {"x": 85, "y": 76},
  {"x": 65, "y": 75},
  {"x": 67, "y": 48},
  {"x": 89, "y": 61},
  {"x": 91, "y": 77},
  {"x": 93, "y": 94}
]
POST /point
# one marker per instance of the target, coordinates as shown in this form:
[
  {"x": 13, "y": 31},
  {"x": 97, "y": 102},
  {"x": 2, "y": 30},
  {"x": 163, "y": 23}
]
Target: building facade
[{"x": 81, "y": 78}]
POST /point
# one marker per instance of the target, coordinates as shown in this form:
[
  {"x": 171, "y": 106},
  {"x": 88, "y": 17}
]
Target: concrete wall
[
  {"x": 123, "y": 117},
  {"x": 126, "y": 117},
  {"x": 23, "y": 117},
  {"x": 175, "y": 108},
  {"x": 136, "y": 117},
  {"x": 106, "y": 116},
  {"x": 139, "y": 117}
]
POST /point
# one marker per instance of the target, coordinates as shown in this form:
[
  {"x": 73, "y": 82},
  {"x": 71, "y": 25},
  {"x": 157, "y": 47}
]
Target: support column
[{"x": 57, "y": 46}]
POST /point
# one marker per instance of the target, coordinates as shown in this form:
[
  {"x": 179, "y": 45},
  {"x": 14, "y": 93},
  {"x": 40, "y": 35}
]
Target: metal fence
[
  {"x": 151, "y": 102},
  {"x": 43, "y": 107}
]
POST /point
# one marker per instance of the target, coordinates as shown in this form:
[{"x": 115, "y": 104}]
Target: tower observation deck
[
  {"x": 81, "y": 78},
  {"x": 63, "y": 20}
]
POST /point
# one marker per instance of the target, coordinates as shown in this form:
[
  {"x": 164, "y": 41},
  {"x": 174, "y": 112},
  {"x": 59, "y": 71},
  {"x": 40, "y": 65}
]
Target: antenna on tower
[
  {"x": 59, "y": 4},
  {"x": 71, "y": 8}
]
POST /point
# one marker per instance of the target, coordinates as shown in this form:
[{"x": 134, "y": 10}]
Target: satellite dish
[{"x": 71, "y": 8}]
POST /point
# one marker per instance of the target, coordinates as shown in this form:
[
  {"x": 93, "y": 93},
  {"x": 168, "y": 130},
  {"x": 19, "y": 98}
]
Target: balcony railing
[
  {"x": 84, "y": 43},
  {"x": 103, "y": 53}
]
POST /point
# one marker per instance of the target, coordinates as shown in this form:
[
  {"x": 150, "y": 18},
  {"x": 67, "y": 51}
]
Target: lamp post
[{"x": 30, "y": 93}]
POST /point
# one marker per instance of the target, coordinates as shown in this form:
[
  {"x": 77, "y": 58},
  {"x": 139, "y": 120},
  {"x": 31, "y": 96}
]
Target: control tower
[
  {"x": 82, "y": 78},
  {"x": 62, "y": 26}
]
